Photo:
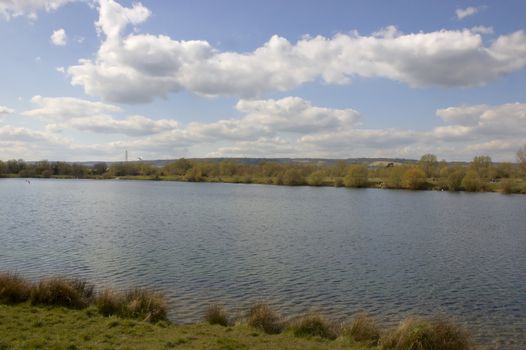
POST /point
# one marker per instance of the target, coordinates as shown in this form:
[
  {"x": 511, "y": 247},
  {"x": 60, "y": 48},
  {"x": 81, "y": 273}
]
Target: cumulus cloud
[
  {"x": 66, "y": 108},
  {"x": 469, "y": 131},
  {"x": 137, "y": 68},
  {"x": 69, "y": 112},
  {"x": 287, "y": 127},
  {"x": 11, "y": 133},
  {"x": 5, "y": 110},
  {"x": 262, "y": 147},
  {"x": 506, "y": 120},
  {"x": 28, "y": 8},
  {"x": 134, "y": 125},
  {"x": 270, "y": 117},
  {"x": 466, "y": 12},
  {"x": 59, "y": 37}
]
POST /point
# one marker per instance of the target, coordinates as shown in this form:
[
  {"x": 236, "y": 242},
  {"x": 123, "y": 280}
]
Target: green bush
[
  {"x": 316, "y": 178},
  {"x": 454, "y": 179},
  {"x": 472, "y": 182},
  {"x": 509, "y": 186},
  {"x": 293, "y": 177},
  {"x": 357, "y": 176},
  {"x": 414, "y": 179}
]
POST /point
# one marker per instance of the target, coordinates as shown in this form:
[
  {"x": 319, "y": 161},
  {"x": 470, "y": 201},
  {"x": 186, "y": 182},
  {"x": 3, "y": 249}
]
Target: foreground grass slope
[
  {"x": 24, "y": 326},
  {"x": 65, "y": 313}
]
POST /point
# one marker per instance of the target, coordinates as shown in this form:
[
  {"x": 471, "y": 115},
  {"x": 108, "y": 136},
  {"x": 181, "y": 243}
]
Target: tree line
[{"x": 481, "y": 174}]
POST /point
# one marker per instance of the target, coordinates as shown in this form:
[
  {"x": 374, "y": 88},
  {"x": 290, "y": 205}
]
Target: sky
[{"x": 86, "y": 80}]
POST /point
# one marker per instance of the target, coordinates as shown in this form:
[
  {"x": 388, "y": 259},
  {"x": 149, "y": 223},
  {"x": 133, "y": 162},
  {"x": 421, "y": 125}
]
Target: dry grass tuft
[
  {"x": 419, "y": 334},
  {"x": 13, "y": 288},
  {"x": 216, "y": 314},
  {"x": 109, "y": 302},
  {"x": 71, "y": 293},
  {"x": 314, "y": 325},
  {"x": 144, "y": 305},
  {"x": 263, "y": 317},
  {"x": 137, "y": 303},
  {"x": 363, "y": 328}
]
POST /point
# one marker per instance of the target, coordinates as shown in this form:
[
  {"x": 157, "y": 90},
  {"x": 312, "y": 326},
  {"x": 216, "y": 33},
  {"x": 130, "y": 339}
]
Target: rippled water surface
[{"x": 390, "y": 253}]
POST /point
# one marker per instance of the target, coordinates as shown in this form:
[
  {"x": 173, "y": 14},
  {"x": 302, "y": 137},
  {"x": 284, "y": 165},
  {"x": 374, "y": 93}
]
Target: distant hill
[
  {"x": 318, "y": 161},
  {"x": 374, "y": 162}
]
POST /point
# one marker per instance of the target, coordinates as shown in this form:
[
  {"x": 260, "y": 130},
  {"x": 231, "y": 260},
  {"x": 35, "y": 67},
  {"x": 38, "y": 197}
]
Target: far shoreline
[{"x": 495, "y": 187}]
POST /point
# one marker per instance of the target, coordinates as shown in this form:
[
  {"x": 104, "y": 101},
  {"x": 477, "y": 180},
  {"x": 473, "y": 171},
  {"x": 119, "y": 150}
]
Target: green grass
[
  {"x": 34, "y": 327},
  {"x": 65, "y": 313}
]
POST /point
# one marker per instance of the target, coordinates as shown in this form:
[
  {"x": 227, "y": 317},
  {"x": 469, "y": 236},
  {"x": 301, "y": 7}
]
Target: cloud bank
[
  {"x": 28, "y": 8},
  {"x": 73, "y": 113},
  {"x": 287, "y": 127},
  {"x": 136, "y": 68}
]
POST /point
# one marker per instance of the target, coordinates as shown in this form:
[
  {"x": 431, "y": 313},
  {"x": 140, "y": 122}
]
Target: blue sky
[{"x": 84, "y": 80}]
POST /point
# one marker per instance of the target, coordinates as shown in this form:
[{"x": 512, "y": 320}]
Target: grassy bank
[
  {"x": 30, "y": 327},
  {"x": 62, "y": 313},
  {"x": 514, "y": 186}
]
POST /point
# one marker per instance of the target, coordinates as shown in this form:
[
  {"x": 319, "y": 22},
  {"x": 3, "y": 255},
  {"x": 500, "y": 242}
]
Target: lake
[{"x": 389, "y": 253}]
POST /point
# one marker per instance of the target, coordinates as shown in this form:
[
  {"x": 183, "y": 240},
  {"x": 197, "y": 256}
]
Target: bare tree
[{"x": 521, "y": 159}]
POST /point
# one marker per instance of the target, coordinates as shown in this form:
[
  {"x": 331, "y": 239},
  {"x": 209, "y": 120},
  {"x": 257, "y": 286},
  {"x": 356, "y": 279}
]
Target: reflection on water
[{"x": 390, "y": 253}]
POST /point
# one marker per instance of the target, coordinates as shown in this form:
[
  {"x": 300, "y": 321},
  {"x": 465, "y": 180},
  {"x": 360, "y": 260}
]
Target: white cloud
[
  {"x": 265, "y": 129},
  {"x": 470, "y": 130},
  {"x": 60, "y": 70},
  {"x": 11, "y": 133},
  {"x": 483, "y": 30},
  {"x": 59, "y": 37},
  {"x": 28, "y": 8},
  {"x": 68, "y": 112},
  {"x": 64, "y": 108},
  {"x": 294, "y": 114},
  {"x": 262, "y": 147},
  {"x": 114, "y": 18},
  {"x": 466, "y": 12},
  {"x": 137, "y": 68},
  {"x": 479, "y": 121},
  {"x": 270, "y": 117},
  {"x": 134, "y": 125},
  {"x": 5, "y": 110}
]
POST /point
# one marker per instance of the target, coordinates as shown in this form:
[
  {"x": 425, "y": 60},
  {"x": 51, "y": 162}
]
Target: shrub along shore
[
  {"x": 481, "y": 175},
  {"x": 62, "y": 313}
]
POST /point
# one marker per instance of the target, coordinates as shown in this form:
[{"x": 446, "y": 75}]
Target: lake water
[{"x": 335, "y": 250}]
